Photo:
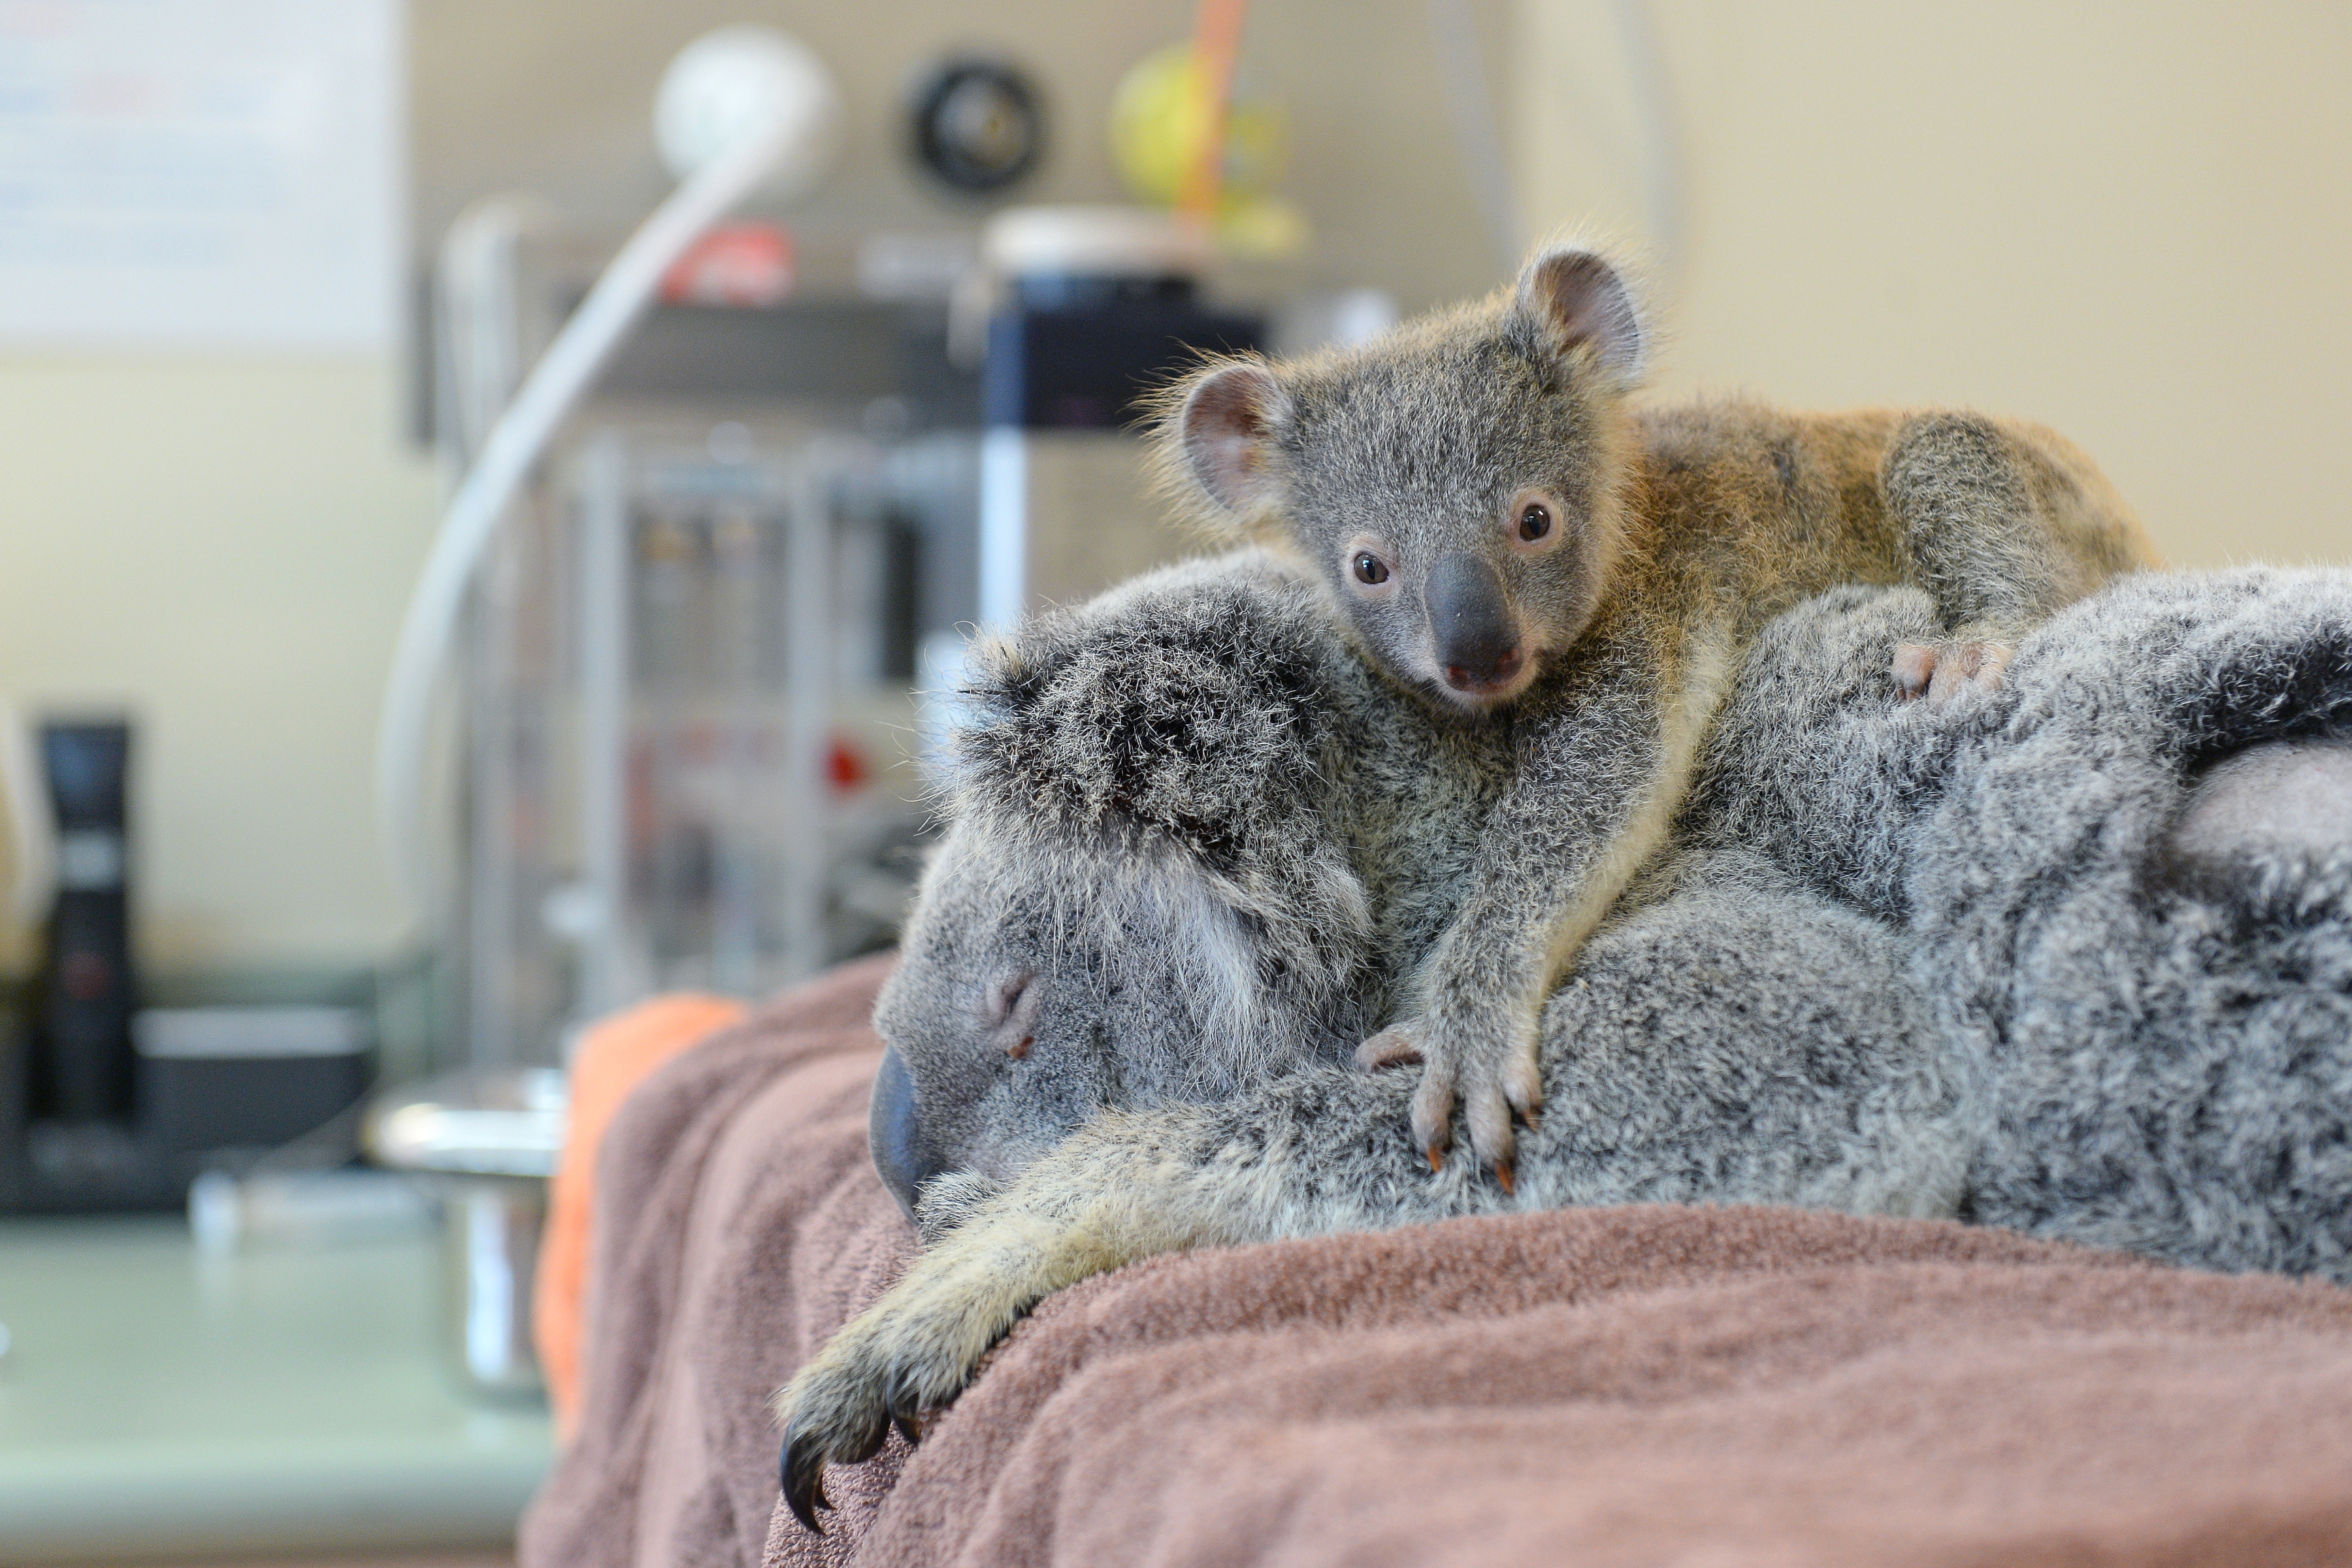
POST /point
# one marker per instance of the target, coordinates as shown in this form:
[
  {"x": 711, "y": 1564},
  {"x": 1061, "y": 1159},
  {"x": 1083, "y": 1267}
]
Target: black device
[
  {"x": 1079, "y": 354},
  {"x": 81, "y": 1065},
  {"x": 978, "y": 124}
]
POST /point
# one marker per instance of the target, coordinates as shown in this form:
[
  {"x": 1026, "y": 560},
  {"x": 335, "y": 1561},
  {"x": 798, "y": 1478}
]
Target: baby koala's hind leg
[{"x": 1980, "y": 542}]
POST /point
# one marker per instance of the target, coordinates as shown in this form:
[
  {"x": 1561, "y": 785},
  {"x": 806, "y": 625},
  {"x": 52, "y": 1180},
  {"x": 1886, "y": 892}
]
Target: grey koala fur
[
  {"x": 1502, "y": 534},
  {"x": 2072, "y": 956}
]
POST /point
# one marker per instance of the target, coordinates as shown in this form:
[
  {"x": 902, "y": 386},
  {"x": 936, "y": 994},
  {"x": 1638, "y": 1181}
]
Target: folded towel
[
  {"x": 1703, "y": 1387},
  {"x": 1638, "y": 1386}
]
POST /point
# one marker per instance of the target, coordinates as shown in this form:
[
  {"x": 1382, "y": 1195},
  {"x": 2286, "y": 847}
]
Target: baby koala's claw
[
  {"x": 1494, "y": 1095},
  {"x": 1498, "y": 1094},
  {"x": 1488, "y": 1112},
  {"x": 1433, "y": 1113},
  {"x": 1941, "y": 671},
  {"x": 1398, "y": 1046}
]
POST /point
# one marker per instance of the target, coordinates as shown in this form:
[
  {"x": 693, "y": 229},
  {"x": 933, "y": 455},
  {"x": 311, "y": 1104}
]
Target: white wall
[{"x": 2130, "y": 221}]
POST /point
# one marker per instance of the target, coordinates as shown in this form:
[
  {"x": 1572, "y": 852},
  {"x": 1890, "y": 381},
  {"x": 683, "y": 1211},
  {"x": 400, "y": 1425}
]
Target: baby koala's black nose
[
  {"x": 894, "y": 1133},
  {"x": 1470, "y": 619}
]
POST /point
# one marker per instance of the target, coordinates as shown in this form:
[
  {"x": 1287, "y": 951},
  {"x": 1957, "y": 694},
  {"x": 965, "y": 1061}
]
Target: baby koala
[{"x": 1507, "y": 539}]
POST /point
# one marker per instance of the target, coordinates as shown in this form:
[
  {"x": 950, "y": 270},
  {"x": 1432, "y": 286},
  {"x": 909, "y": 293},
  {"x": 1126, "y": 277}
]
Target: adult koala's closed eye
[{"x": 1506, "y": 537}]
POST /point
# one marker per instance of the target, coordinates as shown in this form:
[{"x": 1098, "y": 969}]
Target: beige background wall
[
  {"x": 2130, "y": 221},
  {"x": 224, "y": 547},
  {"x": 2133, "y": 222}
]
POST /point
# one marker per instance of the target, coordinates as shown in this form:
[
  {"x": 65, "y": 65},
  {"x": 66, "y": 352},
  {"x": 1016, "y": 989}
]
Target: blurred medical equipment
[
  {"x": 66, "y": 1132},
  {"x": 83, "y": 1059},
  {"x": 977, "y": 124},
  {"x": 1092, "y": 305},
  {"x": 217, "y": 1079},
  {"x": 106, "y": 1105},
  {"x": 694, "y": 618},
  {"x": 738, "y": 109},
  {"x": 306, "y": 1209}
]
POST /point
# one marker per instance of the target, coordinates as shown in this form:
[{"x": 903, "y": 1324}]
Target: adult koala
[
  {"x": 2074, "y": 955},
  {"x": 1197, "y": 844}
]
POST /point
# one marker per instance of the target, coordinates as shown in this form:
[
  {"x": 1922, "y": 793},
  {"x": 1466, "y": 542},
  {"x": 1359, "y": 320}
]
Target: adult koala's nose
[
  {"x": 1476, "y": 635},
  {"x": 894, "y": 1133}
]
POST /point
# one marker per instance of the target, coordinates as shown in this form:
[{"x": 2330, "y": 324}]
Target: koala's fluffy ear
[
  {"x": 1220, "y": 432},
  {"x": 1581, "y": 300}
]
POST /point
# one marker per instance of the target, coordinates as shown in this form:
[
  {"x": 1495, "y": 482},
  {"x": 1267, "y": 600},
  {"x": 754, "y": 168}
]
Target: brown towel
[
  {"x": 1688, "y": 1386},
  {"x": 738, "y": 1223},
  {"x": 1705, "y": 1387}
]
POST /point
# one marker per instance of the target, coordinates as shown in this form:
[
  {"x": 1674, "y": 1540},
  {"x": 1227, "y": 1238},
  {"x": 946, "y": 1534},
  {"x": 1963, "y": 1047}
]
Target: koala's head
[
  {"x": 1454, "y": 485},
  {"x": 1040, "y": 984},
  {"x": 1139, "y": 899}
]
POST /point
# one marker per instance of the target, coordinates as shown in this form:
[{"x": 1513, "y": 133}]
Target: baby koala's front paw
[
  {"x": 1493, "y": 1079},
  {"x": 1941, "y": 671}
]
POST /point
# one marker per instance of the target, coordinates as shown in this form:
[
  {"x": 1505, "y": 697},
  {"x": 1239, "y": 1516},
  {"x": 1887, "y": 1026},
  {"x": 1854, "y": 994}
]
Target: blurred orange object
[
  {"x": 747, "y": 266},
  {"x": 614, "y": 1058}
]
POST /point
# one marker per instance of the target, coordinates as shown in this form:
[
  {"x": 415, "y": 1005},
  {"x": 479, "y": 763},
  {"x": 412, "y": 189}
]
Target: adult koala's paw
[
  {"x": 911, "y": 1353},
  {"x": 1941, "y": 671}
]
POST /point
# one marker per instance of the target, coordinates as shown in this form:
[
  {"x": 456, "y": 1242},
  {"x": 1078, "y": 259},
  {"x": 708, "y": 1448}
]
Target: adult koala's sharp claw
[
  {"x": 914, "y": 1350},
  {"x": 835, "y": 1412},
  {"x": 803, "y": 1480}
]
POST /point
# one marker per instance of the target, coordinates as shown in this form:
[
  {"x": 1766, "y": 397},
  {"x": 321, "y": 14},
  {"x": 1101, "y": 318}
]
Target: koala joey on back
[{"x": 1511, "y": 542}]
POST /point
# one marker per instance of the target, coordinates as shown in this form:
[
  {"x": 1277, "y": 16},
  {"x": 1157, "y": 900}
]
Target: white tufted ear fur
[
  {"x": 1224, "y": 430},
  {"x": 1586, "y": 302}
]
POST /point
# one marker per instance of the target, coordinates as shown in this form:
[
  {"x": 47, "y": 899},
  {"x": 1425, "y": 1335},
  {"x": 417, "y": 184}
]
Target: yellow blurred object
[
  {"x": 1262, "y": 228},
  {"x": 1159, "y": 116}
]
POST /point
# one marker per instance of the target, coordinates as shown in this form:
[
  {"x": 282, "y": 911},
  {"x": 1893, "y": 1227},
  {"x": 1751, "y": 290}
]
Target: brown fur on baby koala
[{"x": 1507, "y": 538}]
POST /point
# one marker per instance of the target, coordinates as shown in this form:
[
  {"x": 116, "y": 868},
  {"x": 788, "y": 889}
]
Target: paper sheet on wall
[{"x": 200, "y": 173}]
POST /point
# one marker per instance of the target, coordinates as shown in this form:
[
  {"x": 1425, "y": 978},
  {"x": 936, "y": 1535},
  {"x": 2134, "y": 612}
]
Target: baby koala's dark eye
[
  {"x": 1368, "y": 568},
  {"x": 1535, "y": 521}
]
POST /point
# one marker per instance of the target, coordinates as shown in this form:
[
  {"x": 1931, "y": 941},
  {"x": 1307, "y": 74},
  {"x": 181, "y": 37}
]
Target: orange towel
[{"x": 614, "y": 1055}]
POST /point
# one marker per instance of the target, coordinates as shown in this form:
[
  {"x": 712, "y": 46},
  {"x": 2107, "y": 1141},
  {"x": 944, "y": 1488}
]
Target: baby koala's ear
[
  {"x": 1581, "y": 300},
  {"x": 1220, "y": 434}
]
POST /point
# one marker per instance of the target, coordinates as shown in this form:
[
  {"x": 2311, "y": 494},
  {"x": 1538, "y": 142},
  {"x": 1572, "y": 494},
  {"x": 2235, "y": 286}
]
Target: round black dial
[{"x": 978, "y": 124}]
